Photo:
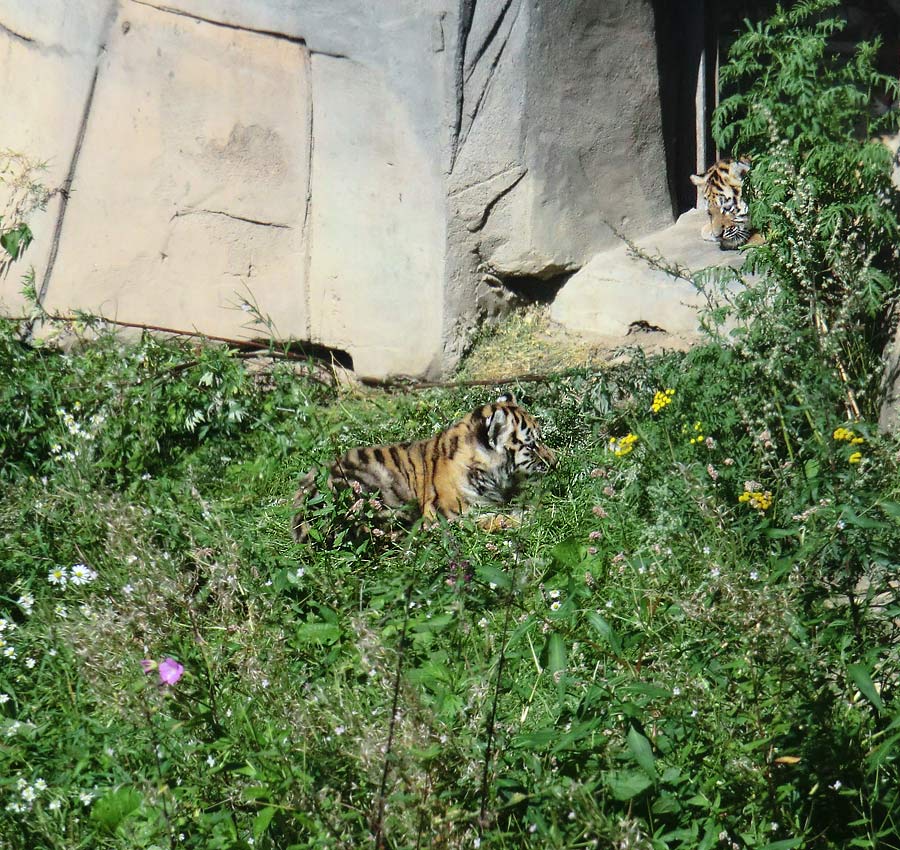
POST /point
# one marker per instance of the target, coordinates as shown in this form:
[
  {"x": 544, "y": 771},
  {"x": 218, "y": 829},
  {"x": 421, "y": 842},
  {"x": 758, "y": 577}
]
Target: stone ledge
[{"x": 617, "y": 289}]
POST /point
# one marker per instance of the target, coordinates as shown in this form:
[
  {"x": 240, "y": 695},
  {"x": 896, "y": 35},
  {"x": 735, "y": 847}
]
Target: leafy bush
[{"x": 820, "y": 188}]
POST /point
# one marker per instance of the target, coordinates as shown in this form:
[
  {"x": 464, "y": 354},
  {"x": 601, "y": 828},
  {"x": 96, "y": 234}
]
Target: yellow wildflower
[
  {"x": 842, "y": 434},
  {"x": 698, "y": 437},
  {"x": 760, "y": 500},
  {"x": 856, "y": 457},
  {"x": 661, "y": 398},
  {"x": 623, "y": 445}
]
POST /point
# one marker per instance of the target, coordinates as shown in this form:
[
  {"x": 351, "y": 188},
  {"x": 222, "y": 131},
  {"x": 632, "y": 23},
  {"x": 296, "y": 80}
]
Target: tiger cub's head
[
  {"x": 729, "y": 215},
  {"x": 512, "y": 431}
]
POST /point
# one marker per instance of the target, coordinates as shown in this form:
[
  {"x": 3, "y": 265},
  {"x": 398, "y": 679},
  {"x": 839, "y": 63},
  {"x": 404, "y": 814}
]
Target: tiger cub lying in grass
[
  {"x": 479, "y": 460},
  {"x": 729, "y": 215}
]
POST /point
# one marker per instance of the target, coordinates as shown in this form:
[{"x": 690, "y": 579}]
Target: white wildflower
[
  {"x": 82, "y": 574},
  {"x": 57, "y": 576}
]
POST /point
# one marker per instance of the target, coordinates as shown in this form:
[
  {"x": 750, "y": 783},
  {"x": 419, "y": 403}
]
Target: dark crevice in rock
[
  {"x": 489, "y": 78},
  {"x": 312, "y": 350},
  {"x": 526, "y": 290},
  {"x": 484, "y": 180},
  {"x": 471, "y": 66},
  {"x": 642, "y": 326},
  {"x": 466, "y": 16},
  {"x": 66, "y": 187}
]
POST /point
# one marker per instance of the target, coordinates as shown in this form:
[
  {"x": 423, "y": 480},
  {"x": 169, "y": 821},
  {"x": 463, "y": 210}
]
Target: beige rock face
[
  {"x": 192, "y": 180},
  {"x": 375, "y": 278},
  {"x": 44, "y": 93},
  {"x": 369, "y": 175}
]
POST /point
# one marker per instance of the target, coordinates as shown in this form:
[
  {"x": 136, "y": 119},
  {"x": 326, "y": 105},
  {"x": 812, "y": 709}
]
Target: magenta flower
[
  {"x": 170, "y": 671},
  {"x": 147, "y": 665}
]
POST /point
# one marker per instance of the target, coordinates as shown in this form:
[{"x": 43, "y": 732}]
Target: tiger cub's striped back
[
  {"x": 729, "y": 215},
  {"x": 479, "y": 460}
]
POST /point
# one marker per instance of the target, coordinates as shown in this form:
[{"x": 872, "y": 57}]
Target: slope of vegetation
[{"x": 691, "y": 641}]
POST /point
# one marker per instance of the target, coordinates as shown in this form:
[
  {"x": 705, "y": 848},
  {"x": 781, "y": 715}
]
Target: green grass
[{"x": 646, "y": 662}]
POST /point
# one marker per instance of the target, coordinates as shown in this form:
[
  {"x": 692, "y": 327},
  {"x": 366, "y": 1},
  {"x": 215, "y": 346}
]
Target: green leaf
[
  {"x": 569, "y": 553},
  {"x": 778, "y": 533},
  {"x": 15, "y": 241},
  {"x": 863, "y": 681},
  {"x": 892, "y": 509},
  {"x": 853, "y": 518},
  {"x": 625, "y": 784},
  {"x": 666, "y": 804},
  {"x": 490, "y": 574},
  {"x": 111, "y": 810},
  {"x": 256, "y": 792},
  {"x": 642, "y": 751},
  {"x": 556, "y": 653},
  {"x": 606, "y": 631},
  {"x": 556, "y": 662},
  {"x": 317, "y": 633},
  {"x": 262, "y": 820},
  {"x": 434, "y": 624}
]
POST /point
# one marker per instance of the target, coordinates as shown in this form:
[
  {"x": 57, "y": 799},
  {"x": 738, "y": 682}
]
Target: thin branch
[
  {"x": 378, "y": 826},
  {"x": 492, "y": 717},
  {"x": 413, "y": 384}
]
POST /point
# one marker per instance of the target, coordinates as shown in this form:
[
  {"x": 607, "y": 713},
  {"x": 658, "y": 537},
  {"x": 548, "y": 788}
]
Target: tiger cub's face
[
  {"x": 516, "y": 433},
  {"x": 729, "y": 215}
]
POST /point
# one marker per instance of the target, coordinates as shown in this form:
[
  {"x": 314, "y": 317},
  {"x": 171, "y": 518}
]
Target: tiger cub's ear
[
  {"x": 498, "y": 424},
  {"x": 507, "y": 398},
  {"x": 698, "y": 180}
]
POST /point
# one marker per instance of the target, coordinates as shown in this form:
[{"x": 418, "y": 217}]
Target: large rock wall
[{"x": 371, "y": 175}]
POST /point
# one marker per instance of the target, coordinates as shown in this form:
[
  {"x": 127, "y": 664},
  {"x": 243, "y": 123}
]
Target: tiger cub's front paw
[{"x": 492, "y": 523}]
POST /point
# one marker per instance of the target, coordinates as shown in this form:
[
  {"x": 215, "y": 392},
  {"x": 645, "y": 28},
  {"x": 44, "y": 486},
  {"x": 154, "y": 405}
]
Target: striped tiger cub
[
  {"x": 479, "y": 460},
  {"x": 729, "y": 215}
]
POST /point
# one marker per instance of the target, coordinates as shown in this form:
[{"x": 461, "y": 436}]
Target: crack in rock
[
  {"x": 484, "y": 181},
  {"x": 467, "y": 66},
  {"x": 492, "y": 34},
  {"x": 473, "y": 226},
  {"x": 171, "y": 10},
  {"x": 17, "y": 35},
  {"x": 182, "y": 213},
  {"x": 466, "y": 17}
]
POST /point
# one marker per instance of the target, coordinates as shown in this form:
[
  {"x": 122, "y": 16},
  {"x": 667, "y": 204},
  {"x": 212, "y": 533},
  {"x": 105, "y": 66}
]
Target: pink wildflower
[{"x": 170, "y": 671}]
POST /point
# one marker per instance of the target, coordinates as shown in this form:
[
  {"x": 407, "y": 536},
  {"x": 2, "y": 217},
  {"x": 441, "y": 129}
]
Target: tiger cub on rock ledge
[
  {"x": 479, "y": 460},
  {"x": 729, "y": 214}
]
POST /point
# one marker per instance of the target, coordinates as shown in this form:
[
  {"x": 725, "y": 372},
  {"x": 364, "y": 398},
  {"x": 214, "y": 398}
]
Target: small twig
[
  {"x": 413, "y": 384},
  {"x": 852, "y": 406},
  {"x": 378, "y": 827},
  {"x": 491, "y": 723}
]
